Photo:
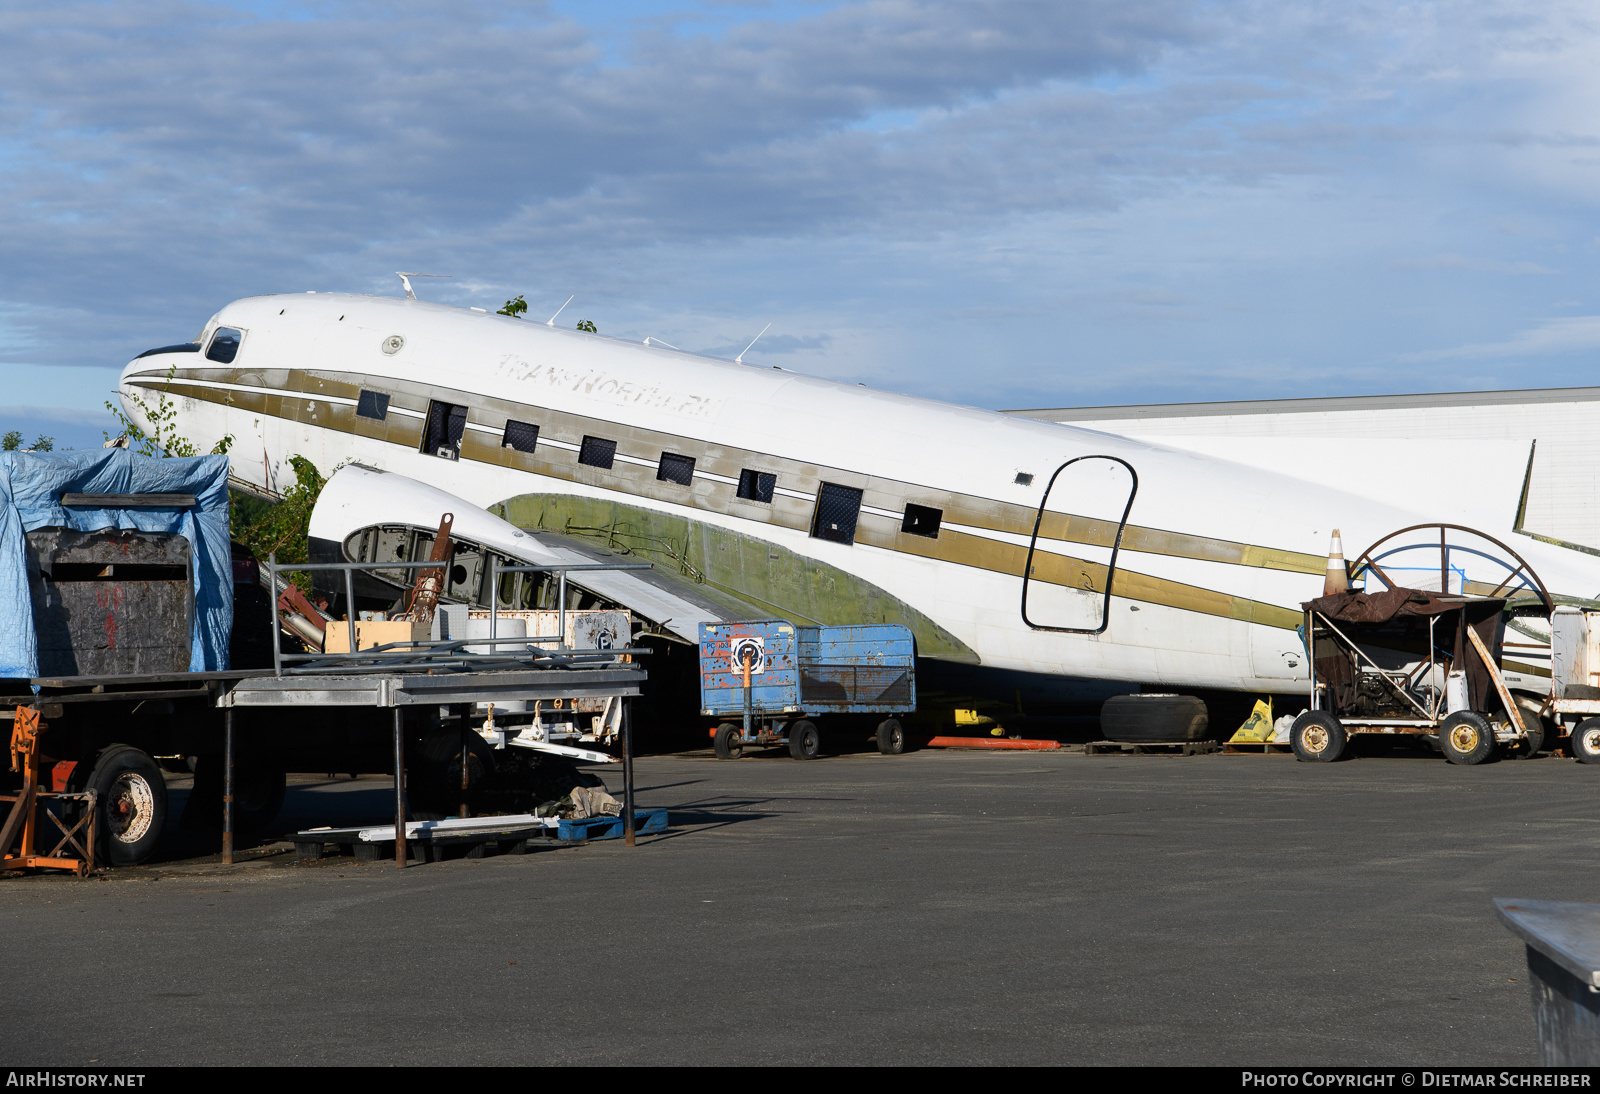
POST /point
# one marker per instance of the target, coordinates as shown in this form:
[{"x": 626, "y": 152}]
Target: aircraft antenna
[
  {"x": 739, "y": 360},
  {"x": 552, "y": 320},
  {"x": 659, "y": 342},
  {"x": 405, "y": 279}
]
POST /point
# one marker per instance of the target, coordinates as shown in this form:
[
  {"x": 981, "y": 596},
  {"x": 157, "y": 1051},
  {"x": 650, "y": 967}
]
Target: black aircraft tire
[
  {"x": 1466, "y": 738},
  {"x": 1317, "y": 737},
  {"x": 804, "y": 744},
  {"x": 891, "y": 737},
  {"x": 131, "y": 797},
  {"x": 1154, "y": 718},
  {"x": 726, "y": 742},
  {"x": 1586, "y": 741}
]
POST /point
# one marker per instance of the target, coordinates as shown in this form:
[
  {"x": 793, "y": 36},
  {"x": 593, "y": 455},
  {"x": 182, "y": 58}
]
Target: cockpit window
[{"x": 224, "y": 345}]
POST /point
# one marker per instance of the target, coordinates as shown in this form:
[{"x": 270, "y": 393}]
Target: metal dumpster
[
  {"x": 776, "y": 676},
  {"x": 113, "y": 602}
]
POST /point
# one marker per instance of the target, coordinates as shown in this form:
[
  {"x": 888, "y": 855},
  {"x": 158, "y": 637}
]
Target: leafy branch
[
  {"x": 12, "y": 441},
  {"x": 163, "y": 438},
  {"x": 279, "y": 527}
]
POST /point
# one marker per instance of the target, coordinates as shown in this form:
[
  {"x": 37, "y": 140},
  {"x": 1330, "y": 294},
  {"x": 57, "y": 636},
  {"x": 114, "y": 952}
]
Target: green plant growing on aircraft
[
  {"x": 163, "y": 438},
  {"x": 279, "y": 527}
]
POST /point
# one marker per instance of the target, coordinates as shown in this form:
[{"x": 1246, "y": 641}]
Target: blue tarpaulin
[{"x": 31, "y": 485}]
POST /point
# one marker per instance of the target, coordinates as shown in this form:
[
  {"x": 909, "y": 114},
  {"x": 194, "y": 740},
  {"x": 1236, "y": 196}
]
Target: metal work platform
[
  {"x": 419, "y": 672},
  {"x": 404, "y": 689}
]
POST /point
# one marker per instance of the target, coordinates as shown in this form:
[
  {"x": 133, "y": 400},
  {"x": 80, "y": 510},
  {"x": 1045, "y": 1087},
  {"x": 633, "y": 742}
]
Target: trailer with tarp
[{"x": 126, "y": 611}]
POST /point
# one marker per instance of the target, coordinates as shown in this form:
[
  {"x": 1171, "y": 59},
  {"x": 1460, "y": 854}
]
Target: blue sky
[{"x": 1067, "y": 202}]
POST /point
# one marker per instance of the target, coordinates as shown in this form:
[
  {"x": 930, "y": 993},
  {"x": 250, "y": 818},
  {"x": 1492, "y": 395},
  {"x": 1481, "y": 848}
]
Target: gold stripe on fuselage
[{"x": 326, "y": 401}]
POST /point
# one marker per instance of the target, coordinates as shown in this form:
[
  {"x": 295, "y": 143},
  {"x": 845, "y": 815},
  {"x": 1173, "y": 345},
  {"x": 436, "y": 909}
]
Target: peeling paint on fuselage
[{"x": 800, "y": 589}]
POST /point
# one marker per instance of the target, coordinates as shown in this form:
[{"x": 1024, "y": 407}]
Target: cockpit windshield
[
  {"x": 224, "y": 345},
  {"x": 182, "y": 347}
]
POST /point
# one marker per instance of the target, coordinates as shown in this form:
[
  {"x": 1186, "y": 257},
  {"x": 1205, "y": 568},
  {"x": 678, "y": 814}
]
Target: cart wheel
[
  {"x": 1317, "y": 737},
  {"x": 1465, "y": 738},
  {"x": 1586, "y": 741},
  {"x": 132, "y": 798},
  {"x": 803, "y": 741},
  {"x": 1538, "y": 732},
  {"x": 727, "y": 741},
  {"x": 891, "y": 737},
  {"x": 258, "y": 791}
]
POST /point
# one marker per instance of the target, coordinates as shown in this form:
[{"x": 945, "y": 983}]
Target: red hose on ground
[{"x": 993, "y": 742}]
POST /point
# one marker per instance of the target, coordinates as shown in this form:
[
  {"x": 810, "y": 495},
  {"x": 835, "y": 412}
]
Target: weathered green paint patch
[{"x": 755, "y": 570}]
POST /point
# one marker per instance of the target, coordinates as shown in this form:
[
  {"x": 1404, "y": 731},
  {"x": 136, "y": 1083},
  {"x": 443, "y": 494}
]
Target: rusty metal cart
[
  {"x": 1407, "y": 662},
  {"x": 1423, "y": 662},
  {"x": 777, "y": 676},
  {"x": 1575, "y": 678}
]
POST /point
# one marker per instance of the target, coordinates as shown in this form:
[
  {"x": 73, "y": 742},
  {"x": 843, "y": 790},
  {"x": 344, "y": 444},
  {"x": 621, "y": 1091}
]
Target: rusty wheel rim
[
  {"x": 130, "y": 807},
  {"x": 1315, "y": 739},
  {"x": 1464, "y": 737},
  {"x": 1591, "y": 740}
]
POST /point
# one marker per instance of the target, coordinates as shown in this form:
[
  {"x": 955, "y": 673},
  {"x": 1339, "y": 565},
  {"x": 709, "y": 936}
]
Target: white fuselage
[{"x": 1215, "y": 559}]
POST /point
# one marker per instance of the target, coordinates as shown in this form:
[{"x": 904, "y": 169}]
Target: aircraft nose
[{"x": 151, "y": 363}]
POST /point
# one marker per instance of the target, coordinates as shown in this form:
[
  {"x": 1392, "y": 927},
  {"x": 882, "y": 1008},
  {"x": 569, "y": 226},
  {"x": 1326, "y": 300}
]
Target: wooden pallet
[
  {"x": 1256, "y": 748},
  {"x": 1150, "y": 748}
]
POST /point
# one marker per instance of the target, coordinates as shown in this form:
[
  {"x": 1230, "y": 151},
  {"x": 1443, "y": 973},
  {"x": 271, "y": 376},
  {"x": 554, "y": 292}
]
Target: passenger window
[
  {"x": 520, "y": 436},
  {"x": 837, "y": 510},
  {"x": 372, "y": 404},
  {"x": 598, "y": 452},
  {"x": 676, "y": 468},
  {"x": 224, "y": 345},
  {"x": 756, "y": 485},
  {"x": 922, "y": 520},
  {"x": 442, "y": 435}
]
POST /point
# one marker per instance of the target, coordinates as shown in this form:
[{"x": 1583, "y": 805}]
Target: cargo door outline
[{"x": 1111, "y": 566}]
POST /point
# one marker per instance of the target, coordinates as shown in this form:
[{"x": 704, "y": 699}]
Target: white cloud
[
  {"x": 1185, "y": 199},
  {"x": 1573, "y": 334}
]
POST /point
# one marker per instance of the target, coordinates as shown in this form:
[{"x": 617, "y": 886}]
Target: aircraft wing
[{"x": 357, "y": 498}]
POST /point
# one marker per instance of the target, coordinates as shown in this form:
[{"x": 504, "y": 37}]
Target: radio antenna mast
[
  {"x": 739, "y": 360},
  {"x": 405, "y": 279},
  {"x": 552, "y": 320}
]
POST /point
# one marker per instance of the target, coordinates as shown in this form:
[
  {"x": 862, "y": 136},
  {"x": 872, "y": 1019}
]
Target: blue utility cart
[{"x": 776, "y": 676}]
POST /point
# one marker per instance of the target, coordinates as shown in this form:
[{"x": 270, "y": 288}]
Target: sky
[{"x": 1032, "y": 203}]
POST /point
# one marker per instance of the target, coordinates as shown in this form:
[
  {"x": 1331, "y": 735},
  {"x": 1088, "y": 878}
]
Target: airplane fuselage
[{"x": 930, "y": 508}]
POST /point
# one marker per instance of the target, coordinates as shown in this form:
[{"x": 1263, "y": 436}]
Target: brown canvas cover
[{"x": 1482, "y": 614}]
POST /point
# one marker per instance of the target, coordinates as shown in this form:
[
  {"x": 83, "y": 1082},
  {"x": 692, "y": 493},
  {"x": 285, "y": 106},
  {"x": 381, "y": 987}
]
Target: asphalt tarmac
[{"x": 932, "y": 908}]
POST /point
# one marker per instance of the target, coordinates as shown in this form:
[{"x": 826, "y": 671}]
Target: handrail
[{"x": 449, "y": 654}]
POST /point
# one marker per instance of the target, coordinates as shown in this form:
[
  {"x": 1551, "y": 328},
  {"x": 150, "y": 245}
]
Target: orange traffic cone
[{"x": 1337, "y": 581}]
